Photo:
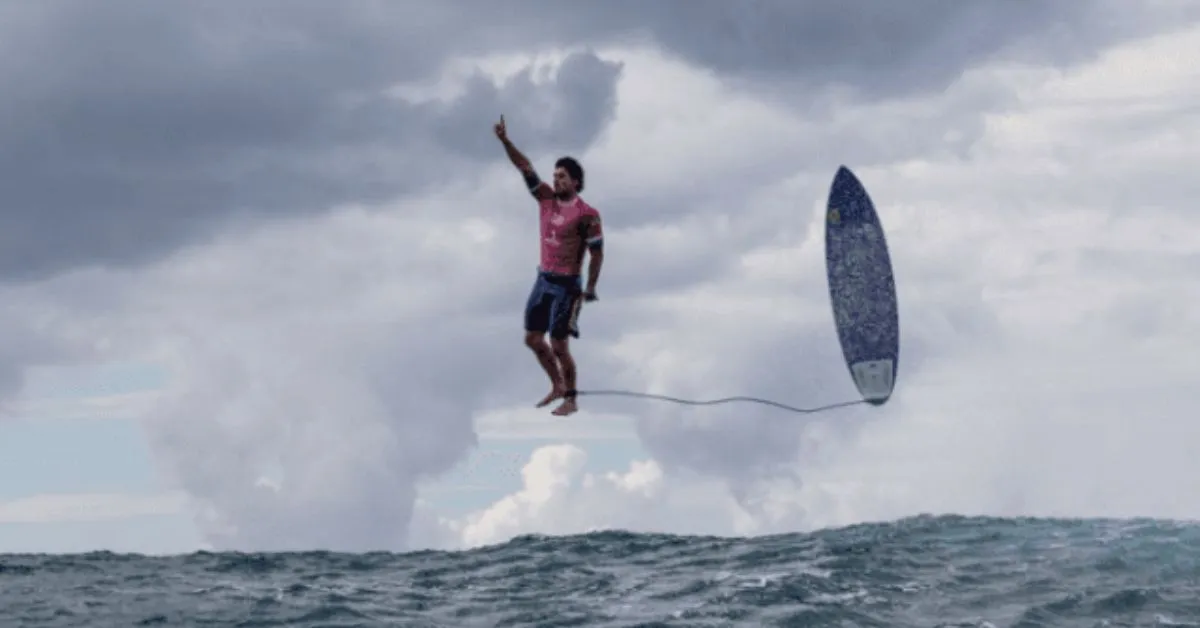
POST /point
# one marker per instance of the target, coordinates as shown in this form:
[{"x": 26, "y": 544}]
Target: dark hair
[{"x": 573, "y": 169}]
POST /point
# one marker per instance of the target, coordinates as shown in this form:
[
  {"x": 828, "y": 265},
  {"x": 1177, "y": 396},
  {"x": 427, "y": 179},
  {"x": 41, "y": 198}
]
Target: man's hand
[
  {"x": 589, "y": 295},
  {"x": 501, "y": 130},
  {"x": 514, "y": 155}
]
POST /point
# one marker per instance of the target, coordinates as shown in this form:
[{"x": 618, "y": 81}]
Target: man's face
[{"x": 563, "y": 184}]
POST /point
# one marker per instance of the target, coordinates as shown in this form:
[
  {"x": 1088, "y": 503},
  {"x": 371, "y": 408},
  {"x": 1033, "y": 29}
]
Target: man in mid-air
[{"x": 569, "y": 226}]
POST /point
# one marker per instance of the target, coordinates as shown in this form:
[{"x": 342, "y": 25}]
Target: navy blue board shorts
[{"x": 553, "y": 305}]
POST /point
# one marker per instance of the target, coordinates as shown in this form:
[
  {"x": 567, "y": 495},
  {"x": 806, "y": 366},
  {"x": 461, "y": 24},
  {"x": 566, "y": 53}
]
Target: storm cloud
[
  {"x": 130, "y": 128},
  {"x": 298, "y": 209}
]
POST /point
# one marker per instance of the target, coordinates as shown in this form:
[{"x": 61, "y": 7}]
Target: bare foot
[
  {"x": 555, "y": 393},
  {"x": 567, "y": 407}
]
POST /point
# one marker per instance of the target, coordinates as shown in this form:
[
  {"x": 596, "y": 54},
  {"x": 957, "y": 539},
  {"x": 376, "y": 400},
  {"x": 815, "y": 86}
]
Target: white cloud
[
  {"x": 559, "y": 497},
  {"x": 526, "y": 422},
  {"x": 1047, "y": 285},
  {"x": 323, "y": 367},
  {"x": 90, "y": 507}
]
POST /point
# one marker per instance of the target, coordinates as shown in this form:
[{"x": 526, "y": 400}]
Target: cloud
[
  {"x": 119, "y": 406},
  {"x": 558, "y": 497},
  {"x": 734, "y": 301},
  {"x": 89, "y": 507},
  {"x": 138, "y": 128},
  {"x": 1046, "y": 319},
  {"x": 336, "y": 350},
  {"x": 311, "y": 426},
  {"x": 523, "y": 422},
  {"x": 36, "y": 332}
]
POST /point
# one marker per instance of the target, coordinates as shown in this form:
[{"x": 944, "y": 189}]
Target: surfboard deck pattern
[{"x": 862, "y": 288}]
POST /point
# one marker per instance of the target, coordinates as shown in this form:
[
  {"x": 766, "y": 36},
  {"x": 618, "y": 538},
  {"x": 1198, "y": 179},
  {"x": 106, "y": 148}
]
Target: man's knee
[
  {"x": 560, "y": 347},
  {"x": 535, "y": 340}
]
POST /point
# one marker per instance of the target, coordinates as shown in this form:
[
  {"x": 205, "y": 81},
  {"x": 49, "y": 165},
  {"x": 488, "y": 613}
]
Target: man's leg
[
  {"x": 537, "y": 323},
  {"x": 566, "y": 366},
  {"x": 566, "y": 325},
  {"x": 536, "y": 341}
]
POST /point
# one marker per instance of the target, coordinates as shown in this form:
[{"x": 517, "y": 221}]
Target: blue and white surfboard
[{"x": 861, "y": 288}]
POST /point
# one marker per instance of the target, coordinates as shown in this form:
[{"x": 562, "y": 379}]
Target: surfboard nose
[{"x": 847, "y": 194}]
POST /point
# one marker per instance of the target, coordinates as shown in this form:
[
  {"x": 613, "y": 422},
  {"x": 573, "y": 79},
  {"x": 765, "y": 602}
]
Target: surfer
[{"x": 569, "y": 226}]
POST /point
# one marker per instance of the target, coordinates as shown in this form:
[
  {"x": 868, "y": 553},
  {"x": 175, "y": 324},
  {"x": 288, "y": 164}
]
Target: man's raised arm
[{"x": 540, "y": 189}]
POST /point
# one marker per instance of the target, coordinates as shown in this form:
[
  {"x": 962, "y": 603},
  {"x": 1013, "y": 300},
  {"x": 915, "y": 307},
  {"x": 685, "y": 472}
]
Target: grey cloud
[
  {"x": 34, "y": 333},
  {"x": 310, "y": 129},
  {"x": 134, "y": 127},
  {"x": 569, "y": 115},
  {"x": 137, "y": 127},
  {"x": 878, "y": 49}
]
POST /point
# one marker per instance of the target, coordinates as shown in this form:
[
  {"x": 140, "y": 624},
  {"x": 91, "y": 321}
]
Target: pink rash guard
[{"x": 566, "y": 230}]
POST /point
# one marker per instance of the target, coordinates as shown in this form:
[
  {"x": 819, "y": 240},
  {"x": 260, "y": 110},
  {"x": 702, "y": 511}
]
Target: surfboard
[{"x": 862, "y": 288}]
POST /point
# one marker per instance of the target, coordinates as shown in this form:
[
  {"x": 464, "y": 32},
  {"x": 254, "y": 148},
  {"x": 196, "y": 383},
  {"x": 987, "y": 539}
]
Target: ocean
[{"x": 922, "y": 571}]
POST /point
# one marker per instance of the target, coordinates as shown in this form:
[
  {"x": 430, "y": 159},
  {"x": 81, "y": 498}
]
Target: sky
[{"x": 263, "y": 267}]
